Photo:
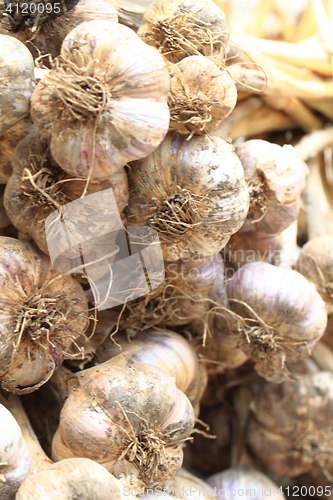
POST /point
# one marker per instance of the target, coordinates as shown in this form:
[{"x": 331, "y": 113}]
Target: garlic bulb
[
  {"x": 193, "y": 192},
  {"x": 200, "y": 95},
  {"x": 38, "y": 186},
  {"x": 54, "y": 23},
  {"x": 179, "y": 28},
  {"x": 244, "y": 483},
  {"x": 275, "y": 180},
  {"x": 15, "y": 457},
  {"x": 166, "y": 350},
  {"x": 134, "y": 413},
  {"x": 216, "y": 352},
  {"x": 124, "y": 115},
  {"x": 186, "y": 485},
  {"x": 275, "y": 316},
  {"x": 292, "y": 424},
  {"x": 315, "y": 262},
  {"x": 8, "y": 143},
  {"x": 4, "y": 221},
  {"x": 16, "y": 81},
  {"x": 187, "y": 293},
  {"x": 77, "y": 478},
  {"x": 42, "y": 313}
]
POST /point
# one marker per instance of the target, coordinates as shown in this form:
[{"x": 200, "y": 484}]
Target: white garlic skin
[
  {"x": 244, "y": 483},
  {"x": 135, "y": 117},
  {"x": 17, "y": 81},
  {"x": 78, "y": 478},
  {"x": 15, "y": 458}
]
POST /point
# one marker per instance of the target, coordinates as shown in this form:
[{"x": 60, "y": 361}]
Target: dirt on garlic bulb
[
  {"x": 192, "y": 192},
  {"x": 117, "y": 415},
  {"x": 42, "y": 313}
]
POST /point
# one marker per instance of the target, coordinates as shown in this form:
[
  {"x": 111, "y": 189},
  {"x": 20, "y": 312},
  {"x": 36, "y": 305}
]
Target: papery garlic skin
[
  {"x": 133, "y": 117},
  {"x": 28, "y": 208},
  {"x": 292, "y": 423},
  {"x": 166, "y": 350},
  {"x": 275, "y": 179},
  {"x": 287, "y": 317},
  {"x": 15, "y": 457},
  {"x": 42, "y": 313},
  {"x": 115, "y": 411},
  {"x": 315, "y": 262},
  {"x": 181, "y": 28},
  {"x": 193, "y": 192},
  {"x": 77, "y": 478},
  {"x": 200, "y": 95},
  {"x": 246, "y": 483},
  {"x": 16, "y": 81}
]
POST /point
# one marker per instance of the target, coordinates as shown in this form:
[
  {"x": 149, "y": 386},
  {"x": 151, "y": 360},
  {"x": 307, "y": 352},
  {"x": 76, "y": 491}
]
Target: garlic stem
[
  {"x": 39, "y": 457},
  {"x": 323, "y": 356},
  {"x": 315, "y": 221},
  {"x": 285, "y": 252},
  {"x": 314, "y": 143}
]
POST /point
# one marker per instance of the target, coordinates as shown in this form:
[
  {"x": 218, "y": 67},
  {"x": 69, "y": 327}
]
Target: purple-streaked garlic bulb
[
  {"x": 117, "y": 414},
  {"x": 291, "y": 424},
  {"x": 166, "y": 350},
  {"x": 192, "y": 192},
  {"x": 187, "y": 293},
  {"x": 275, "y": 315},
  {"x": 42, "y": 313},
  {"x": 122, "y": 117},
  {"x": 315, "y": 262},
  {"x": 275, "y": 180},
  {"x": 74, "y": 478},
  {"x": 244, "y": 483},
  {"x": 15, "y": 457}
]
